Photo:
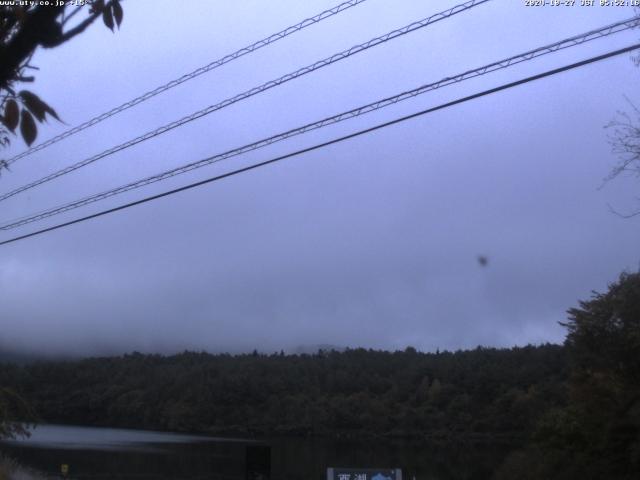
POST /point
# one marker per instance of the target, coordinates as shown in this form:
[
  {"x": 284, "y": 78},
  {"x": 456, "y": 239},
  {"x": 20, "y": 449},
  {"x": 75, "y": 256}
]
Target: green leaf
[
  {"x": 107, "y": 18},
  {"x": 28, "y": 127},
  {"x": 11, "y": 115},
  {"x": 117, "y": 12},
  {"x": 37, "y": 106},
  {"x": 96, "y": 6},
  {"x": 52, "y": 112},
  {"x": 34, "y": 104}
]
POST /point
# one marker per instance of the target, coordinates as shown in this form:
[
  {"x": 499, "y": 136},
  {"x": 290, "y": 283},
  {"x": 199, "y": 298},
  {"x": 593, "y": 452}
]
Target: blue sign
[{"x": 364, "y": 474}]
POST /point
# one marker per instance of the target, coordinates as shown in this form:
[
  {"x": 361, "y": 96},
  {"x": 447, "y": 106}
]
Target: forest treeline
[{"x": 497, "y": 393}]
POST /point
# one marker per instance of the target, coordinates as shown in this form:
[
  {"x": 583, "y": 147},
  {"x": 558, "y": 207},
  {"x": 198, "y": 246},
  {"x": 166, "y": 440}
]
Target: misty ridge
[{"x": 26, "y": 356}]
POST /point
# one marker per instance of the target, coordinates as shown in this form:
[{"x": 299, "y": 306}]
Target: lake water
[{"x": 101, "y": 453}]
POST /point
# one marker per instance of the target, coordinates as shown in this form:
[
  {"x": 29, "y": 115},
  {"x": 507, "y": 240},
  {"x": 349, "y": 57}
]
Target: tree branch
[
  {"x": 39, "y": 25},
  {"x": 622, "y": 215},
  {"x": 81, "y": 27},
  {"x": 40, "y": 28}
]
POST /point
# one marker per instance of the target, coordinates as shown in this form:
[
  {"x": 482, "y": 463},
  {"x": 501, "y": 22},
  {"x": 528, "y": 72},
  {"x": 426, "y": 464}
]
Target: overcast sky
[{"x": 372, "y": 242}]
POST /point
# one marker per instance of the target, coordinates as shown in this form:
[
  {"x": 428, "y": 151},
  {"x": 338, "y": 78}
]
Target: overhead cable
[
  {"x": 371, "y": 107},
  {"x": 254, "y": 91},
  {"x": 330, "y": 142},
  {"x": 189, "y": 76}
]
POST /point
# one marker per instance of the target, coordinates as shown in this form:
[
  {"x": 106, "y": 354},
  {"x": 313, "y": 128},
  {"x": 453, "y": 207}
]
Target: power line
[
  {"x": 501, "y": 64},
  {"x": 254, "y": 91},
  {"x": 191, "y": 75},
  {"x": 334, "y": 141}
]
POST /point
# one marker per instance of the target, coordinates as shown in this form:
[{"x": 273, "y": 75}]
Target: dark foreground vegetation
[{"x": 571, "y": 411}]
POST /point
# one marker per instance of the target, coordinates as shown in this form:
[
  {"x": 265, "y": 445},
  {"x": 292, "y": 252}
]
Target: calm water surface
[{"x": 96, "y": 453}]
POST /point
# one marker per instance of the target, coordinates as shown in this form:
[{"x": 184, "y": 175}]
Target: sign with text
[{"x": 364, "y": 474}]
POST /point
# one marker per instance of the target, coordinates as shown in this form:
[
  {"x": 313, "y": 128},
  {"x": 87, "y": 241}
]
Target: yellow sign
[{"x": 64, "y": 469}]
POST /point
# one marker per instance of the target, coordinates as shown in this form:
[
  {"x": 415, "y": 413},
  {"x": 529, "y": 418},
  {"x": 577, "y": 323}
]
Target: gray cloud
[{"x": 368, "y": 243}]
